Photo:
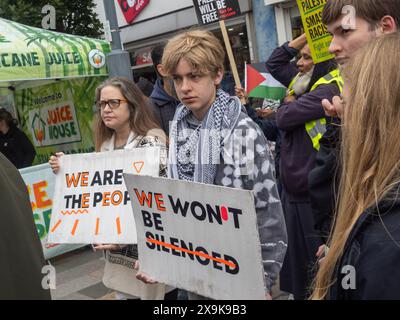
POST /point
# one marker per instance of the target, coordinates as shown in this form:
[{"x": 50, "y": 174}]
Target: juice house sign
[{"x": 54, "y": 120}]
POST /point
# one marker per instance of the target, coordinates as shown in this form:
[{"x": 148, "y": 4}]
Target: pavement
[{"x": 79, "y": 277}]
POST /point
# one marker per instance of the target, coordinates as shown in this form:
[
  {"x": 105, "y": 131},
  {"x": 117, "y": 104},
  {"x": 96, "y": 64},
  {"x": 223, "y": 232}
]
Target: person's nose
[
  {"x": 186, "y": 86},
  {"x": 300, "y": 63},
  {"x": 335, "y": 46}
]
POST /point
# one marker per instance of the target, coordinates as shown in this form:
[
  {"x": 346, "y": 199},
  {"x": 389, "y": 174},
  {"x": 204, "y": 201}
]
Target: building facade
[{"x": 262, "y": 26}]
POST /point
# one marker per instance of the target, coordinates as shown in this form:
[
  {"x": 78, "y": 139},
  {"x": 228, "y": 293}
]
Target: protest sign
[
  {"x": 209, "y": 11},
  {"x": 40, "y": 181},
  {"x": 318, "y": 37},
  {"x": 91, "y": 203},
  {"x": 198, "y": 237}
]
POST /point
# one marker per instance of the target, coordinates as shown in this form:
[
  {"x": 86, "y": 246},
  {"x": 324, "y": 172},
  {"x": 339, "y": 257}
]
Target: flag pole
[
  {"x": 245, "y": 76},
  {"x": 230, "y": 56}
]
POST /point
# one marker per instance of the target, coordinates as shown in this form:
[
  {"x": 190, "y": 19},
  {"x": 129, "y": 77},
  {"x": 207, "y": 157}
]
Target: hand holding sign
[
  {"x": 91, "y": 203},
  {"x": 198, "y": 237},
  {"x": 317, "y": 34}
]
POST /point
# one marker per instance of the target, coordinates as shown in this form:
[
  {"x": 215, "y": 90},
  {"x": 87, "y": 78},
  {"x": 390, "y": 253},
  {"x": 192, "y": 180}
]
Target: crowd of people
[{"x": 331, "y": 207}]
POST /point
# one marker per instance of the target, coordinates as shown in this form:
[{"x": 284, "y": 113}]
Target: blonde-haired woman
[
  {"x": 124, "y": 121},
  {"x": 364, "y": 256}
]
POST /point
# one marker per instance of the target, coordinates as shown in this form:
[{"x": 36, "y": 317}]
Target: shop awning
[{"x": 28, "y": 53}]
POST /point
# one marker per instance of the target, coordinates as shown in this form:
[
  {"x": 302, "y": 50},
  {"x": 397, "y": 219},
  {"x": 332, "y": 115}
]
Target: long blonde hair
[
  {"x": 370, "y": 145},
  {"x": 141, "y": 119}
]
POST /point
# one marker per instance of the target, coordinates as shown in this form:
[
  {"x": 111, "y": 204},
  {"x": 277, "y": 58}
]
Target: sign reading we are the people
[
  {"x": 318, "y": 37},
  {"x": 209, "y": 11},
  {"x": 198, "y": 237},
  {"x": 91, "y": 203}
]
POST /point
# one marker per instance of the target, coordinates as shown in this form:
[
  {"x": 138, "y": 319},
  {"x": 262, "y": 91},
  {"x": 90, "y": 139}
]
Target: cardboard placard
[
  {"x": 209, "y": 11},
  {"x": 318, "y": 37},
  {"x": 198, "y": 237},
  {"x": 91, "y": 203}
]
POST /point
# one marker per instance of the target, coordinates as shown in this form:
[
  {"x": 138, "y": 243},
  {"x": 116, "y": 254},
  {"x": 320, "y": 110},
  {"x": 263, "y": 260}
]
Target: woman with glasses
[{"x": 124, "y": 121}]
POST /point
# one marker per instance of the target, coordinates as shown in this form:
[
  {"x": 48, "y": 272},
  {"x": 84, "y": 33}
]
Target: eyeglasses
[{"x": 113, "y": 103}]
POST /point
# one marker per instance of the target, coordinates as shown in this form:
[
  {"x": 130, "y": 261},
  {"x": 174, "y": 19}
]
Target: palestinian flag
[{"x": 261, "y": 84}]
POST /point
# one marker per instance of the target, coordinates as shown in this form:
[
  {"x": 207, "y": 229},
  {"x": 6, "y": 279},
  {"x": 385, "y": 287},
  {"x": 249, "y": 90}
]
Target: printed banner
[
  {"x": 40, "y": 181},
  {"x": 91, "y": 203},
  {"x": 29, "y": 53},
  {"x": 318, "y": 37},
  {"x": 209, "y": 11},
  {"x": 54, "y": 121},
  {"x": 198, "y": 237},
  {"x": 58, "y": 116}
]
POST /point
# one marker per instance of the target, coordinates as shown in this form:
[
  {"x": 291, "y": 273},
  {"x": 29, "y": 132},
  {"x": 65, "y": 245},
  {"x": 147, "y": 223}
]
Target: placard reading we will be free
[
  {"x": 91, "y": 202},
  {"x": 209, "y": 11}
]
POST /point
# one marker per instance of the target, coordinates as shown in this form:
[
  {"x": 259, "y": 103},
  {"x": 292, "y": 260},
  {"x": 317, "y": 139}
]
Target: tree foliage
[{"x": 75, "y": 17}]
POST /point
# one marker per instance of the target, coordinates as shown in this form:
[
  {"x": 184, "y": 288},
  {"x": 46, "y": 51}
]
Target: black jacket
[
  {"x": 323, "y": 180},
  {"x": 16, "y": 146},
  {"x": 21, "y": 255},
  {"x": 373, "y": 249},
  {"x": 164, "y": 106}
]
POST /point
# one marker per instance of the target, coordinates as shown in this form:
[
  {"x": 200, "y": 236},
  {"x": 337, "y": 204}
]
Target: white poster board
[
  {"x": 91, "y": 203},
  {"x": 198, "y": 237},
  {"x": 40, "y": 181}
]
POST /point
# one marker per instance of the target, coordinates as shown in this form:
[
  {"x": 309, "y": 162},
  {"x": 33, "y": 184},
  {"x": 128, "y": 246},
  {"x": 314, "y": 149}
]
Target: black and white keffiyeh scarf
[{"x": 195, "y": 151}]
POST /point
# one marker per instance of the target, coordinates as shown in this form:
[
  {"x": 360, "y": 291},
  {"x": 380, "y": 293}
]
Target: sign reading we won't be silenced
[{"x": 198, "y": 237}]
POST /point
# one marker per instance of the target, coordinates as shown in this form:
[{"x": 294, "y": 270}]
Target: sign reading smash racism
[
  {"x": 209, "y": 11},
  {"x": 318, "y": 37},
  {"x": 91, "y": 203},
  {"x": 53, "y": 120},
  {"x": 198, "y": 237}
]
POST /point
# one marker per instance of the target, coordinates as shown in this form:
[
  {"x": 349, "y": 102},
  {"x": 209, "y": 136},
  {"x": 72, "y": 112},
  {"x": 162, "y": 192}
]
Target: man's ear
[
  {"x": 218, "y": 77},
  {"x": 161, "y": 71},
  {"x": 387, "y": 25}
]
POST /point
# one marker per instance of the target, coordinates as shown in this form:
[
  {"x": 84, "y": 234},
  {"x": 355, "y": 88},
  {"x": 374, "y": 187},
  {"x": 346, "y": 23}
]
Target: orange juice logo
[
  {"x": 97, "y": 59},
  {"x": 38, "y": 125}
]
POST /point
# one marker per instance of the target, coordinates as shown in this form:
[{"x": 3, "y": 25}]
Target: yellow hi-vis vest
[
  {"x": 290, "y": 91},
  {"x": 316, "y": 129}
]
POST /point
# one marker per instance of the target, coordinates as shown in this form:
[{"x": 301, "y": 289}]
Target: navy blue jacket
[
  {"x": 164, "y": 106},
  {"x": 297, "y": 152},
  {"x": 268, "y": 126},
  {"x": 373, "y": 249},
  {"x": 323, "y": 180}
]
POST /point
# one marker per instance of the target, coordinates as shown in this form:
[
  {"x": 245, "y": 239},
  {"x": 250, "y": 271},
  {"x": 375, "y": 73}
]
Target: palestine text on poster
[{"x": 318, "y": 37}]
